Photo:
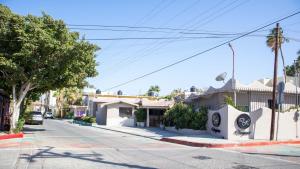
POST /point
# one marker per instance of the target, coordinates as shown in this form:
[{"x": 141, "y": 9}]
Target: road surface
[{"x": 58, "y": 144}]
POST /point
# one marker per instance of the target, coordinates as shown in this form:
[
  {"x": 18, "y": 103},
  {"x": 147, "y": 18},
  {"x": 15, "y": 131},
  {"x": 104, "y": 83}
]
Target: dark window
[
  {"x": 125, "y": 112},
  {"x": 270, "y": 104}
]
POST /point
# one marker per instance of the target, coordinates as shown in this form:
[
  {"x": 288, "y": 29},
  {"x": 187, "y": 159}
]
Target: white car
[
  {"x": 48, "y": 115},
  {"x": 36, "y": 117}
]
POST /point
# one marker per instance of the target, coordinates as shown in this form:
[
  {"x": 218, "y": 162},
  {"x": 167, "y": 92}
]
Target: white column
[{"x": 148, "y": 119}]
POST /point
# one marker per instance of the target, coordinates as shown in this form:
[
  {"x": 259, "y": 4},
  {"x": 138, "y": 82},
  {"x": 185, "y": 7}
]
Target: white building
[
  {"x": 116, "y": 110},
  {"x": 249, "y": 97}
]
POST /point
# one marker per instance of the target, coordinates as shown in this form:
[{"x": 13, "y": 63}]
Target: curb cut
[
  {"x": 11, "y": 136},
  {"x": 212, "y": 145},
  {"x": 127, "y": 133}
]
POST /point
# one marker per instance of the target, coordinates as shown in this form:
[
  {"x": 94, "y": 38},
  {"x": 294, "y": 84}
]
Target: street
[{"x": 59, "y": 144}]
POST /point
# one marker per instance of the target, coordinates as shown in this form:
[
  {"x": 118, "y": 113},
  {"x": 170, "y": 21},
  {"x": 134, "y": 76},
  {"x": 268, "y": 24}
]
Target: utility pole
[
  {"x": 274, "y": 83},
  {"x": 233, "y": 77}
]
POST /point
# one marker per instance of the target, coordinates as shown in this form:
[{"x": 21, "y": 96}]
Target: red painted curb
[
  {"x": 10, "y": 136},
  {"x": 212, "y": 145}
]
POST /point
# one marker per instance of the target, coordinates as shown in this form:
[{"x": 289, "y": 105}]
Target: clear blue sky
[{"x": 120, "y": 61}]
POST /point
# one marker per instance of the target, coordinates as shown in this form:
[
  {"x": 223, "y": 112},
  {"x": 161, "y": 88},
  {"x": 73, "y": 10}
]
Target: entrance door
[{"x": 155, "y": 117}]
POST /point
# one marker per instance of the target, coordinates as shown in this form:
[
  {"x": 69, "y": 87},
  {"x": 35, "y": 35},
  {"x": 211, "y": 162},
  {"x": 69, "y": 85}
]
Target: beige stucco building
[
  {"x": 249, "y": 97},
  {"x": 117, "y": 110}
]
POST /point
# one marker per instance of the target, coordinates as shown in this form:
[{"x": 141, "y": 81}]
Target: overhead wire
[
  {"x": 159, "y": 45},
  {"x": 156, "y": 44},
  {"x": 202, "y": 52}
]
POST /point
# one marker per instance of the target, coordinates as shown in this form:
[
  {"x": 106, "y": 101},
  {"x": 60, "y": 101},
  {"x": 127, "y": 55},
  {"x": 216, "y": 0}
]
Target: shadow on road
[
  {"x": 93, "y": 157},
  {"x": 30, "y": 130}
]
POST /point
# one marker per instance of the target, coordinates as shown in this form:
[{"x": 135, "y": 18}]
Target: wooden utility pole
[{"x": 274, "y": 82}]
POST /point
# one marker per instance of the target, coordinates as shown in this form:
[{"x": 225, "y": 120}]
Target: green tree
[
  {"x": 154, "y": 88},
  {"x": 176, "y": 93},
  {"x": 38, "y": 54},
  {"x": 66, "y": 97},
  {"x": 271, "y": 43},
  {"x": 290, "y": 69}
]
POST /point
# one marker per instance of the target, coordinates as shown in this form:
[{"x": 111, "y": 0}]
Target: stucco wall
[
  {"x": 288, "y": 127},
  {"x": 254, "y": 100},
  {"x": 113, "y": 117},
  {"x": 222, "y": 130}
]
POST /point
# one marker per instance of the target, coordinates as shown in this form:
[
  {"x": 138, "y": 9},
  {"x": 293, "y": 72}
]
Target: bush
[
  {"x": 19, "y": 126},
  {"x": 140, "y": 115},
  {"x": 183, "y": 116},
  {"x": 69, "y": 115},
  {"x": 87, "y": 119}
]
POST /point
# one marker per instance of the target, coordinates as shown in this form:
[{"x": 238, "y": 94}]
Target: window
[
  {"x": 270, "y": 104},
  {"x": 125, "y": 112}
]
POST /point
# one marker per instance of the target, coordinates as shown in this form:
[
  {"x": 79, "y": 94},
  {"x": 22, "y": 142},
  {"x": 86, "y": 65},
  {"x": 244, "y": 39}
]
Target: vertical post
[
  {"x": 274, "y": 83},
  {"x": 147, "y": 120},
  {"x": 296, "y": 83},
  {"x": 233, "y": 77}
]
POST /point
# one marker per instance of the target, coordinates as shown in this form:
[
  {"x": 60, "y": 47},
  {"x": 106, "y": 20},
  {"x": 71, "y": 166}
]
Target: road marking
[{"x": 253, "y": 155}]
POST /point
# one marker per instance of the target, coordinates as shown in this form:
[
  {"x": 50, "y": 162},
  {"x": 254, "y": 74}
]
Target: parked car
[
  {"x": 48, "y": 115},
  {"x": 35, "y": 117}
]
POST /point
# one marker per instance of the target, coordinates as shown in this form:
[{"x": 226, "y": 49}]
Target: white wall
[
  {"x": 288, "y": 127},
  {"x": 113, "y": 118},
  {"x": 223, "y": 128}
]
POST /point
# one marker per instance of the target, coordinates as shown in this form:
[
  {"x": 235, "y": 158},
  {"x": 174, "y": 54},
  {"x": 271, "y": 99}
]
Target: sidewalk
[{"x": 203, "y": 140}]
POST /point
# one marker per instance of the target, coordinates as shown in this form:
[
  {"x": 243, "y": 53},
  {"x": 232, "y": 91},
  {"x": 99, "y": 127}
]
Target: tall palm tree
[{"x": 271, "y": 41}]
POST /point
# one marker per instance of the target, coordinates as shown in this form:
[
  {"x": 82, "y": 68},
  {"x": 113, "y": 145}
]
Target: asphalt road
[{"x": 58, "y": 144}]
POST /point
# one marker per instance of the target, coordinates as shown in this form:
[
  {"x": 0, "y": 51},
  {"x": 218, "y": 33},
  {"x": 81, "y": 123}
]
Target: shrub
[
  {"x": 183, "y": 116},
  {"x": 87, "y": 119},
  {"x": 69, "y": 115},
  {"x": 140, "y": 115},
  {"x": 19, "y": 126}
]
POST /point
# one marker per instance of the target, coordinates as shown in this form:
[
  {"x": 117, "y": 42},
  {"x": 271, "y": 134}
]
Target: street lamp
[
  {"x": 296, "y": 81},
  {"x": 233, "y": 77}
]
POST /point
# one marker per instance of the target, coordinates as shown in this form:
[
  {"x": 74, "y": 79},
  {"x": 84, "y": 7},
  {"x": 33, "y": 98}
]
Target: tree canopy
[
  {"x": 42, "y": 52},
  {"x": 38, "y": 54}
]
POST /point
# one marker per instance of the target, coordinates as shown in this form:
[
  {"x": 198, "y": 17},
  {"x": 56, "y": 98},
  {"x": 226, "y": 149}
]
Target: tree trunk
[{"x": 17, "y": 103}]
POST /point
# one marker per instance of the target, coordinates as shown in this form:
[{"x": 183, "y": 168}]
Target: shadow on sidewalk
[{"x": 95, "y": 157}]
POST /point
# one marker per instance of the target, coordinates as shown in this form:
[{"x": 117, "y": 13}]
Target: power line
[
  {"x": 159, "y": 45},
  {"x": 207, "y": 50},
  {"x": 155, "y": 38}
]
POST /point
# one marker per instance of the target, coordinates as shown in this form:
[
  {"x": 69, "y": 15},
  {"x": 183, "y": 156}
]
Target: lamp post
[
  {"x": 233, "y": 77},
  {"x": 296, "y": 82}
]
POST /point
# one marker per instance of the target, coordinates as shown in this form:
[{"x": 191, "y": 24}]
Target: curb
[
  {"x": 212, "y": 145},
  {"x": 153, "y": 138},
  {"x": 11, "y": 136}
]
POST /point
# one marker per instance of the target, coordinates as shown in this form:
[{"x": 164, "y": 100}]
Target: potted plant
[{"x": 140, "y": 116}]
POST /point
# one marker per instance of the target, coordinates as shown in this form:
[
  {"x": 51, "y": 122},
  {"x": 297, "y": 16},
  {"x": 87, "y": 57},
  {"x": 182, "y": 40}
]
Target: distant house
[
  {"x": 4, "y": 111},
  {"x": 249, "y": 97},
  {"x": 116, "y": 110}
]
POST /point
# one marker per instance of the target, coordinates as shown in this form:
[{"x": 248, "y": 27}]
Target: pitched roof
[
  {"x": 144, "y": 102},
  {"x": 262, "y": 85}
]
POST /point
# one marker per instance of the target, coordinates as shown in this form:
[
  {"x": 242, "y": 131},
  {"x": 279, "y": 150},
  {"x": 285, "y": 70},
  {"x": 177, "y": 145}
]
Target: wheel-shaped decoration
[
  {"x": 216, "y": 119},
  {"x": 243, "y": 121}
]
